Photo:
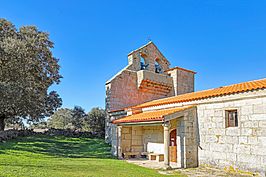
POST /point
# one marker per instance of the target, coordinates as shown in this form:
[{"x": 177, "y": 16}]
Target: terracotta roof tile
[
  {"x": 157, "y": 115},
  {"x": 221, "y": 91}
]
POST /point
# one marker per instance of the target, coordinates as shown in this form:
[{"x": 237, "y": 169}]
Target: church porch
[{"x": 171, "y": 141}]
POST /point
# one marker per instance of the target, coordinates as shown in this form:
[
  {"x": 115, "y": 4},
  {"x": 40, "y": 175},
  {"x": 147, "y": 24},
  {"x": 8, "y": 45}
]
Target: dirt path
[
  {"x": 201, "y": 171},
  {"x": 207, "y": 171}
]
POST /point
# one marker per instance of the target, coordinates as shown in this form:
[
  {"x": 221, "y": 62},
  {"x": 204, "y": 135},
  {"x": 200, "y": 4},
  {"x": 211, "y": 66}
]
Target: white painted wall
[{"x": 157, "y": 148}]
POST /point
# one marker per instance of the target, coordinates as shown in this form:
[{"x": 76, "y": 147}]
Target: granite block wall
[{"x": 242, "y": 147}]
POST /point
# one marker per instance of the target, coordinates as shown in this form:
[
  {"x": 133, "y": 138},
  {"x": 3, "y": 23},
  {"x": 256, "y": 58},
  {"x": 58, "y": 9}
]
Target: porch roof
[{"x": 157, "y": 115}]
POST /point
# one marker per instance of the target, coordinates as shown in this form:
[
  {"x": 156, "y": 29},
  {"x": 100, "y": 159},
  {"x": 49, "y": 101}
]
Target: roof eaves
[{"x": 213, "y": 95}]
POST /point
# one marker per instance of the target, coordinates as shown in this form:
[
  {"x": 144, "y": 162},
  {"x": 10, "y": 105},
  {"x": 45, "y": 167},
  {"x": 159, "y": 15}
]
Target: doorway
[{"x": 172, "y": 147}]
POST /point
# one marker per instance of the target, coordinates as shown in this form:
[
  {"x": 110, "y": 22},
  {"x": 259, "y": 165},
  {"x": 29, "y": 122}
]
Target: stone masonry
[
  {"x": 242, "y": 147},
  {"x": 135, "y": 138},
  {"x": 202, "y": 132},
  {"x": 187, "y": 135},
  {"x": 134, "y": 85}
]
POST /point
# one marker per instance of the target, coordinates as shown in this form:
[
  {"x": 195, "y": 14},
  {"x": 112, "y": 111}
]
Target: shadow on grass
[{"x": 59, "y": 146}]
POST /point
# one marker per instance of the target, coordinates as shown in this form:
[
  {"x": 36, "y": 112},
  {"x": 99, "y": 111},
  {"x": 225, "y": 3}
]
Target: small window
[{"x": 231, "y": 118}]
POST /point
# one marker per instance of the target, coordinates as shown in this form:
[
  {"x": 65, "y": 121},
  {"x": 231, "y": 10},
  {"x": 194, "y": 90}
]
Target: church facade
[{"x": 154, "y": 112}]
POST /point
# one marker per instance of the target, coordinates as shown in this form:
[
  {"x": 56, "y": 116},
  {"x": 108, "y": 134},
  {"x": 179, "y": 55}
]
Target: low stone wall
[
  {"x": 13, "y": 134},
  {"x": 71, "y": 133}
]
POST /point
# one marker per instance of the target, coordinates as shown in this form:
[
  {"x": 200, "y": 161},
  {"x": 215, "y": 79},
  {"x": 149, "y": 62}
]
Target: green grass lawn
[{"x": 61, "y": 156}]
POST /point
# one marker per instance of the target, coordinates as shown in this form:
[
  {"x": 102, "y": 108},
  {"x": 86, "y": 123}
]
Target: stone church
[{"x": 154, "y": 112}]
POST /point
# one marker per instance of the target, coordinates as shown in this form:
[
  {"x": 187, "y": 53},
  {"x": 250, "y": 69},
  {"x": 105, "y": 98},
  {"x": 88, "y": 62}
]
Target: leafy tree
[
  {"x": 79, "y": 117},
  {"x": 96, "y": 121},
  {"x": 15, "y": 123},
  {"x": 27, "y": 69},
  {"x": 61, "y": 119},
  {"x": 39, "y": 125},
  {"x": 68, "y": 118}
]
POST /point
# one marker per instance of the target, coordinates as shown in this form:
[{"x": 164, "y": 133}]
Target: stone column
[
  {"x": 166, "y": 126},
  {"x": 119, "y": 142},
  {"x": 180, "y": 138}
]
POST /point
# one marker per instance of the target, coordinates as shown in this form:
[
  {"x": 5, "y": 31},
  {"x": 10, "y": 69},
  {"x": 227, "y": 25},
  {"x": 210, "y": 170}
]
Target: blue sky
[{"x": 223, "y": 41}]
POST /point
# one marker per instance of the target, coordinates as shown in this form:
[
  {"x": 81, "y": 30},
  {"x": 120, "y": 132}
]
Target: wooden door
[{"x": 172, "y": 147}]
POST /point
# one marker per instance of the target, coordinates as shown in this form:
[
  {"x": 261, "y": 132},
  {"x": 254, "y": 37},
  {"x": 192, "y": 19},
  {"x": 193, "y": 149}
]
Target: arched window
[
  {"x": 158, "y": 67},
  {"x": 143, "y": 64}
]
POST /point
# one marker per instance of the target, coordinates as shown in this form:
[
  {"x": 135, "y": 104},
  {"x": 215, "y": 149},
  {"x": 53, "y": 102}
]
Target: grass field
[{"x": 61, "y": 156}]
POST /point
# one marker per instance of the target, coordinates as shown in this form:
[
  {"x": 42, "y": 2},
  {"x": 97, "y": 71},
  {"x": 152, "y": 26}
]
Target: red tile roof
[
  {"x": 221, "y": 91},
  {"x": 157, "y": 115}
]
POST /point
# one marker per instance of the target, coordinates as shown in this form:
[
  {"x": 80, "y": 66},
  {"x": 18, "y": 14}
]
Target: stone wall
[
  {"x": 112, "y": 129},
  {"x": 126, "y": 89},
  {"x": 126, "y": 139},
  {"x": 150, "y": 54},
  {"x": 152, "y": 134},
  {"x": 242, "y": 147},
  {"x": 132, "y": 139},
  {"x": 183, "y": 80},
  {"x": 135, "y": 138},
  {"x": 123, "y": 92},
  {"x": 187, "y": 134}
]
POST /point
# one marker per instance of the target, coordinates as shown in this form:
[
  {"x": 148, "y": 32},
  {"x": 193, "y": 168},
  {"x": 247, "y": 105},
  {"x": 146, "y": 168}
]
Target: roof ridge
[{"x": 241, "y": 83}]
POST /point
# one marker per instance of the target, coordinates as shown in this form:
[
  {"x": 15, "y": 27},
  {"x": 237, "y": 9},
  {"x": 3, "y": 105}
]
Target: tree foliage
[
  {"x": 77, "y": 119},
  {"x": 27, "y": 69},
  {"x": 39, "y": 125},
  {"x": 96, "y": 121},
  {"x": 68, "y": 119},
  {"x": 61, "y": 119},
  {"x": 15, "y": 123}
]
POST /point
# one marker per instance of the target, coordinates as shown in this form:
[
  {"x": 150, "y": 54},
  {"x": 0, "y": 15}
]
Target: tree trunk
[{"x": 2, "y": 122}]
